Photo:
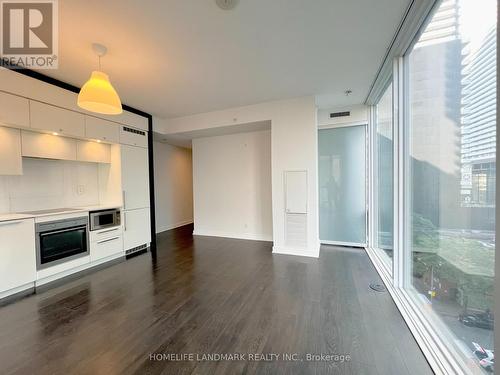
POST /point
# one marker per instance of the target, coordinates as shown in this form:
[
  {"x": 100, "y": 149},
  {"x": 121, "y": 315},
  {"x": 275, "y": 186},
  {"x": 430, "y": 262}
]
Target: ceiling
[
  {"x": 183, "y": 139},
  {"x": 179, "y": 57}
]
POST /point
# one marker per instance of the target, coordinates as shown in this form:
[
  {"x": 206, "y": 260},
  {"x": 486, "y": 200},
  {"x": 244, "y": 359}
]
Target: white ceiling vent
[{"x": 226, "y": 4}]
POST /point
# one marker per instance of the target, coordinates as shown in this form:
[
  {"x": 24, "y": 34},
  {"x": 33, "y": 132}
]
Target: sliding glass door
[{"x": 342, "y": 185}]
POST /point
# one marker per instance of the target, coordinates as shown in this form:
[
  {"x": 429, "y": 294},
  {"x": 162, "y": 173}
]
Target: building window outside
[{"x": 450, "y": 173}]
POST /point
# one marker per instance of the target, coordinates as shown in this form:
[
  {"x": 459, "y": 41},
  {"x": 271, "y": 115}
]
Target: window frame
[{"x": 373, "y": 201}]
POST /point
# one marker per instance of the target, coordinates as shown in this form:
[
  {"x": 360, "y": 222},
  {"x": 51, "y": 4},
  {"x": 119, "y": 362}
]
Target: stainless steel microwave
[{"x": 104, "y": 219}]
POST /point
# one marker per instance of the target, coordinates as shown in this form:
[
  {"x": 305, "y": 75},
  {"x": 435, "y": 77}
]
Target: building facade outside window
[{"x": 450, "y": 171}]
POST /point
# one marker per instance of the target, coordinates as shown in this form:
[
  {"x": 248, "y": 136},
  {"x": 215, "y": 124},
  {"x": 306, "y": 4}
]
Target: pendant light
[{"x": 97, "y": 94}]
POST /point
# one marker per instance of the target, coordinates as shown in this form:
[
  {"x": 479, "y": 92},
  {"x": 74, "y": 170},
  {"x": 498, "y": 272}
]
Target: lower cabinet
[
  {"x": 106, "y": 243},
  {"x": 136, "y": 228},
  {"x": 17, "y": 254}
]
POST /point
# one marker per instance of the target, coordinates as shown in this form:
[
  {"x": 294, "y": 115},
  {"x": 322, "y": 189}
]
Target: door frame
[{"x": 367, "y": 163}]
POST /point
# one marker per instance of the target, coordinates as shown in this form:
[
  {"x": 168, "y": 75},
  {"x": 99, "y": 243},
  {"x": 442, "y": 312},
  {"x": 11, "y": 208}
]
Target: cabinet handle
[
  {"x": 108, "y": 240},
  {"x": 109, "y": 230},
  {"x": 123, "y": 199},
  {"x": 124, "y": 221}
]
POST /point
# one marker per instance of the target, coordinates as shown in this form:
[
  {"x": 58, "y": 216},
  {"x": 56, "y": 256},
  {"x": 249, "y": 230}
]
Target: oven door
[
  {"x": 61, "y": 245},
  {"x": 104, "y": 219}
]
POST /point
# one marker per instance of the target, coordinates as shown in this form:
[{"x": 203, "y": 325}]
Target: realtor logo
[{"x": 29, "y": 34}]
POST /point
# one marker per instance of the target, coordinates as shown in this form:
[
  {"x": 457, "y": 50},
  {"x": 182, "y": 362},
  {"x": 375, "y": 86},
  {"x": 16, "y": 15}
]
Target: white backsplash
[{"x": 47, "y": 184}]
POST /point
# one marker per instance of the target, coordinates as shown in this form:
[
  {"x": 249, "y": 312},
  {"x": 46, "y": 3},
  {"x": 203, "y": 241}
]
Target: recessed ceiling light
[
  {"x": 54, "y": 133},
  {"x": 226, "y": 4}
]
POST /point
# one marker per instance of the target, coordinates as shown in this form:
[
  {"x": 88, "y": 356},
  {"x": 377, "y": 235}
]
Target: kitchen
[{"x": 66, "y": 203}]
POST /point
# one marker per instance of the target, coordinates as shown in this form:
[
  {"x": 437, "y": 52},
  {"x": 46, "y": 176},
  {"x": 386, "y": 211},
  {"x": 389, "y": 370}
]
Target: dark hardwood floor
[{"x": 206, "y": 295}]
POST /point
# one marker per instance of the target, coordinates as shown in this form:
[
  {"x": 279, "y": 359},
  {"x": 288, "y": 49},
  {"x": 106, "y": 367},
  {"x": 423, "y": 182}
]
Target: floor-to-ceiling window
[
  {"x": 449, "y": 173},
  {"x": 383, "y": 172},
  {"x": 433, "y": 178}
]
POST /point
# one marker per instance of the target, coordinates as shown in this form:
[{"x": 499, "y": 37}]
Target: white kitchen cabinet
[
  {"x": 11, "y": 161},
  {"x": 46, "y": 117},
  {"x": 106, "y": 233},
  {"x": 136, "y": 228},
  {"x": 39, "y": 145},
  {"x": 106, "y": 131},
  {"x": 17, "y": 254},
  {"x": 93, "y": 152},
  {"x": 135, "y": 177},
  {"x": 106, "y": 247},
  {"x": 14, "y": 111},
  {"x": 133, "y": 137}
]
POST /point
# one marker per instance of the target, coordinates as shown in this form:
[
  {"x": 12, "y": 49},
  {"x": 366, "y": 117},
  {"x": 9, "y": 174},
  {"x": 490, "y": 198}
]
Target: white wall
[
  {"x": 232, "y": 186},
  {"x": 173, "y": 186},
  {"x": 47, "y": 184},
  {"x": 293, "y": 147}
]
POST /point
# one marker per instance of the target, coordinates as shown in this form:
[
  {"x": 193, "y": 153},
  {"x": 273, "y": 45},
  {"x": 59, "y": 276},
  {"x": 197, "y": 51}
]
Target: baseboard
[
  {"x": 305, "y": 252},
  {"x": 173, "y": 226},
  {"x": 241, "y": 236}
]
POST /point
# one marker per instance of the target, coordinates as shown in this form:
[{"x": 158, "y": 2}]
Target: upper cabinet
[
  {"x": 133, "y": 137},
  {"x": 93, "y": 152},
  {"x": 10, "y": 152},
  {"x": 14, "y": 111},
  {"x": 47, "y": 146},
  {"x": 55, "y": 119},
  {"x": 103, "y": 130}
]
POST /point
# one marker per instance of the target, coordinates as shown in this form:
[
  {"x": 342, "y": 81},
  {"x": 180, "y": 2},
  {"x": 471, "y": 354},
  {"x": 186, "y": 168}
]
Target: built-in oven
[
  {"x": 104, "y": 219},
  {"x": 61, "y": 241}
]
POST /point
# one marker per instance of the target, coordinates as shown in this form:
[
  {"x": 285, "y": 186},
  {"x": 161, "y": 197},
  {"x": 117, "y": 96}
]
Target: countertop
[{"x": 21, "y": 215}]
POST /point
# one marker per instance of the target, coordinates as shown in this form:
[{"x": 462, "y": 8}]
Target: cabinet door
[
  {"x": 135, "y": 177},
  {"x": 11, "y": 161},
  {"x": 93, "y": 152},
  {"x": 17, "y": 253},
  {"x": 107, "y": 131},
  {"x": 136, "y": 228},
  {"x": 38, "y": 145},
  {"x": 106, "y": 247},
  {"x": 14, "y": 111},
  {"x": 54, "y": 119},
  {"x": 133, "y": 137}
]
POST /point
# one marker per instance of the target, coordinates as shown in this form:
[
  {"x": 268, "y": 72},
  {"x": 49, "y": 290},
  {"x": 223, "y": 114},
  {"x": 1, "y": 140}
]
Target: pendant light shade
[{"x": 98, "y": 95}]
